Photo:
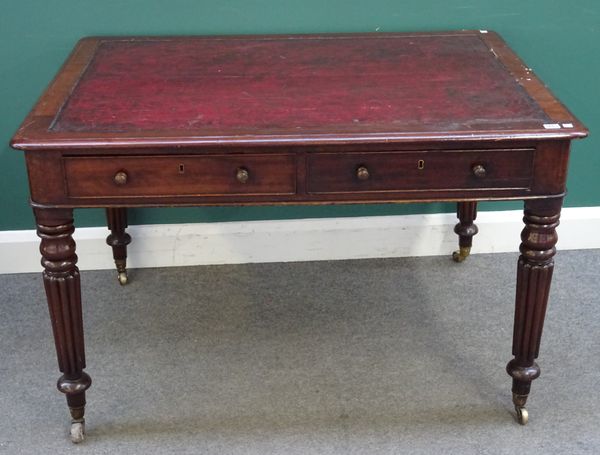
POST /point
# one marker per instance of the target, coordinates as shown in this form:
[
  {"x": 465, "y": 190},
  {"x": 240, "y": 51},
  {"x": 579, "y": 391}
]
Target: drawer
[
  {"x": 180, "y": 175},
  {"x": 414, "y": 171}
]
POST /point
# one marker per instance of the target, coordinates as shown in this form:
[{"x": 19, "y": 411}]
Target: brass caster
[
  {"x": 77, "y": 431},
  {"x": 461, "y": 254},
  {"x": 522, "y": 415},
  {"x": 122, "y": 278}
]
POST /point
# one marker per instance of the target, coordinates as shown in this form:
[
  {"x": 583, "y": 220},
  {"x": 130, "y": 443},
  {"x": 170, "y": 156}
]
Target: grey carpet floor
[{"x": 386, "y": 356}]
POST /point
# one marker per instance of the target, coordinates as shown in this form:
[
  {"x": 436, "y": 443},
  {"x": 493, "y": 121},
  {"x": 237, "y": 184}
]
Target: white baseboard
[{"x": 167, "y": 245}]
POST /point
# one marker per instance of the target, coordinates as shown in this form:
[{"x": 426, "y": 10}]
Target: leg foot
[
  {"x": 466, "y": 213},
  {"x": 118, "y": 239}
]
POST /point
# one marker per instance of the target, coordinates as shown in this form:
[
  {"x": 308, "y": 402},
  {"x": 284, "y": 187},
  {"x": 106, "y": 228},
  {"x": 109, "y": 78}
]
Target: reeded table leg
[
  {"x": 466, "y": 213},
  {"x": 63, "y": 292},
  {"x": 118, "y": 239},
  {"x": 534, "y": 274}
]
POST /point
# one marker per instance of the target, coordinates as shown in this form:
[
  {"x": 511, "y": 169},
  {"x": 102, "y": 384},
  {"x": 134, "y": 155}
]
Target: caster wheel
[
  {"x": 457, "y": 257},
  {"x": 122, "y": 278},
  {"x": 522, "y": 415},
  {"x": 77, "y": 432},
  {"x": 461, "y": 254}
]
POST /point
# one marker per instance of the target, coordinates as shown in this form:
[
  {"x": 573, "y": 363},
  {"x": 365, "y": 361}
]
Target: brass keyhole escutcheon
[
  {"x": 181, "y": 169},
  {"x": 421, "y": 164},
  {"x": 242, "y": 175}
]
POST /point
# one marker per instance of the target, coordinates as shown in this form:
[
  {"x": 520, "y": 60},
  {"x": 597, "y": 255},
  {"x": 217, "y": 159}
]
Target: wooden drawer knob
[
  {"x": 362, "y": 173},
  {"x": 479, "y": 171},
  {"x": 242, "y": 175},
  {"x": 120, "y": 178}
]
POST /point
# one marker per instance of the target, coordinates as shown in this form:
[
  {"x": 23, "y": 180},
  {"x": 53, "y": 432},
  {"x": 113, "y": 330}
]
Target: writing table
[{"x": 306, "y": 119}]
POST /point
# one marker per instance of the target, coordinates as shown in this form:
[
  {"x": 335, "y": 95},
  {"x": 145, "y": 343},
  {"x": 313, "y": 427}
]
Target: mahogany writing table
[{"x": 371, "y": 118}]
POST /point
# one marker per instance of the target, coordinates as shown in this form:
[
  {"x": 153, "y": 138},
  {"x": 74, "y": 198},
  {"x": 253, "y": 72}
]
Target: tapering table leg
[
  {"x": 466, "y": 213},
  {"x": 118, "y": 239},
  {"x": 534, "y": 274},
  {"x": 63, "y": 292}
]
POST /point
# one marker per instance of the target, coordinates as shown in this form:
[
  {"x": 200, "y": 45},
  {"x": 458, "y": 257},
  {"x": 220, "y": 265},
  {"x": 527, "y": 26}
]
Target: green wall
[{"x": 559, "y": 39}]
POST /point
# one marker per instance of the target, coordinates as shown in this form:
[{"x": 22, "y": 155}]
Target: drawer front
[
  {"x": 415, "y": 171},
  {"x": 184, "y": 175}
]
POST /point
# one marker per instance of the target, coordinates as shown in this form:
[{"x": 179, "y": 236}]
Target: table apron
[{"x": 190, "y": 178}]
